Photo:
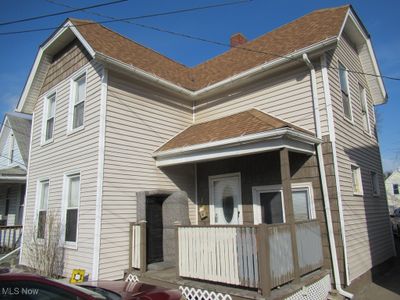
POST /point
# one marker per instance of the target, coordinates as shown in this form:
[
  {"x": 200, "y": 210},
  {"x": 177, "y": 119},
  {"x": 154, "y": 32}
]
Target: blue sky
[{"x": 381, "y": 18}]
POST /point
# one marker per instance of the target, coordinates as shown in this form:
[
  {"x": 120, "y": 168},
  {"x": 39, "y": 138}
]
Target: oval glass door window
[{"x": 228, "y": 203}]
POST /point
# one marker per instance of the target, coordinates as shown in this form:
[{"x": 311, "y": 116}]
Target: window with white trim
[
  {"x": 11, "y": 150},
  {"x": 395, "y": 189},
  {"x": 303, "y": 202},
  {"x": 49, "y": 114},
  {"x": 72, "y": 207},
  {"x": 375, "y": 183},
  {"x": 344, "y": 87},
  {"x": 78, "y": 101},
  {"x": 356, "y": 180},
  {"x": 364, "y": 108},
  {"x": 42, "y": 208}
]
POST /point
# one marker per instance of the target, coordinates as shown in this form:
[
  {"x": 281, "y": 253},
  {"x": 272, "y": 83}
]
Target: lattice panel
[
  {"x": 132, "y": 278},
  {"x": 198, "y": 294},
  {"x": 316, "y": 291}
]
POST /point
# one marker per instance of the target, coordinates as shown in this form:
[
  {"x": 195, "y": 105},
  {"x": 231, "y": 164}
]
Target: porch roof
[{"x": 247, "y": 132}]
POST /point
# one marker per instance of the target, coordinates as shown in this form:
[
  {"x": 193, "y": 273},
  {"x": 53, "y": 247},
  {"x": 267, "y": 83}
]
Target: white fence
[{"x": 219, "y": 253}]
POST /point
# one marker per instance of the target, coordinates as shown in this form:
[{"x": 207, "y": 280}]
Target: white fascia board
[
  {"x": 13, "y": 178},
  {"x": 236, "y": 150},
  {"x": 193, "y": 94},
  {"x": 276, "y": 133},
  {"x": 244, "y": 145},
  {"x": 38, "y": 59}
]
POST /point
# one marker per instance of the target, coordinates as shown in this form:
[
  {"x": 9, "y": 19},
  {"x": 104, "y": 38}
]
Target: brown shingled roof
[
  {"x": 305, "y": 31},
  {"x": 240, "y": 124}
]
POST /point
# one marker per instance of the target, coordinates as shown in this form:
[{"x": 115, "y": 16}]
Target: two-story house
[
  {"x": 266, "y": 155},
  {"x": 14, "y": 152}
]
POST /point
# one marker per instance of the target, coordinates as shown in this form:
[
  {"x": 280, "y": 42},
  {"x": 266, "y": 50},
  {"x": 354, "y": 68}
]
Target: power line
[
  {"x": 16, "y": 161},
  {"x": 60, "y": 13},
  {"x": 131, "y": 18},
  {"x": 216, "y": 42}
]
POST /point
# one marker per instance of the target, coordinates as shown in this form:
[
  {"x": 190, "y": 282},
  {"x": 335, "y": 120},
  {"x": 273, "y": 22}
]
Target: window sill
[
  {"x": 50, "y": 141},
  {"x": 358, "y": 194},
  {"x": 71, "y": 245},
  {"x": 350, "y": 121},
  {"x": 75, "y": 130}
]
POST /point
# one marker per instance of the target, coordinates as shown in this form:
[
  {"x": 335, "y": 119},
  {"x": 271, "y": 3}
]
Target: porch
[{"x": 257, "y": 226}]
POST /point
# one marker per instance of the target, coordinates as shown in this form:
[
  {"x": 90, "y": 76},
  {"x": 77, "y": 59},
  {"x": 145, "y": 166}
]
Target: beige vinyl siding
[
  {"x": 138, "y": 121},
  {"x": 286, "y": 96},
  {"x": 76, "y": 152},
  {"x": 368, "y": 236}
]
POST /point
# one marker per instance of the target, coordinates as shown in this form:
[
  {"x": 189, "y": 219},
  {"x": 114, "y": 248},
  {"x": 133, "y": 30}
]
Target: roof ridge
[{"x": 266, "y": 33}]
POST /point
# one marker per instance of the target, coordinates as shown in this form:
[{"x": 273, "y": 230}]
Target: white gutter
[
  {"x": 324, "y": 184},
  {"x": 332, "y": 137},
  {"x": 240, "y": 140},
  {"x": 165, "y": 83}
]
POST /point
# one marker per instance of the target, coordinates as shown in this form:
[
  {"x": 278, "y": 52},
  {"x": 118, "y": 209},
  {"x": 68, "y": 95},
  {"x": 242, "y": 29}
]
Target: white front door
[{"x": 225, "y": 199}]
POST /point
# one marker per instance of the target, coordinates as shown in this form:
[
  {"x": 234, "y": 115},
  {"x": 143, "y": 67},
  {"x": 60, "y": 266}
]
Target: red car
[{"x": 19, "y": 286}]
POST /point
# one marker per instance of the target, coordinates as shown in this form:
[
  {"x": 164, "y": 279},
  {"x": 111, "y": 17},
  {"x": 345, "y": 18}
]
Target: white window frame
[
  {"x": 398, "y": 188},
  {"x": 348, "y": 118},
  {"x": 363, "y": 102},
  {"x": 11, "y": 151},
  {"x": 39, "y": 191},
  {"x": 67, "y": 176},
  {"x": 73, "y": 80},
  {"x": 301, "y": 186},
  {"x": 375, "y": 180},
  {"x": 359, "y": 178},
  {"x": 211, "y": 180},
  {"x": 256, "y": 191},
  {"x": 46, "y": 100}
]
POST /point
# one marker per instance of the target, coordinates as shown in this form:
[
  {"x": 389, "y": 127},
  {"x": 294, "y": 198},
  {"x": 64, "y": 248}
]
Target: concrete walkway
[{"x": 385, "y": 286}]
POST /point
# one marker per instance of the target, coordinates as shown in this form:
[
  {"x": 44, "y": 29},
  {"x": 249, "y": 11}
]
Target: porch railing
[
  {"x": 252, "y": 256},
  {"x": 137, "y": 246},
  {"x": 219, "y": 253},
  {"x": 10, "y": 237}
]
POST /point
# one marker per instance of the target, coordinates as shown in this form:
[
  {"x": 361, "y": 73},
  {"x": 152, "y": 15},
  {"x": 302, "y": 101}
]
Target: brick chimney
[{"x": 237, "y": 40}]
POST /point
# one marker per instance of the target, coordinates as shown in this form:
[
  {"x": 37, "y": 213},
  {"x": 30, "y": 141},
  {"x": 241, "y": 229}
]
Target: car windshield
[{"x": 85, "y": 290}]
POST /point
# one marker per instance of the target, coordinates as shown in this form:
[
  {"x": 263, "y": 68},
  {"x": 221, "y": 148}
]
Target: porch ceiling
[{"x": 244, "y": 133}]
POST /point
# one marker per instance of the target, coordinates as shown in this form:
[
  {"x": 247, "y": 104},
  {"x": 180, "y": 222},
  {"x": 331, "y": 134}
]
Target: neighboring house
[
  {"x": 14, "y": 149},
  {"x": 123, "y": 134},
  {"x": 392, "y": 184}
]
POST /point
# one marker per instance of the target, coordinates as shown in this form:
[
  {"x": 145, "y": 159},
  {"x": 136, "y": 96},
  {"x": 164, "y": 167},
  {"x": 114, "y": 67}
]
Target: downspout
[{"x": 324, "y": 184}]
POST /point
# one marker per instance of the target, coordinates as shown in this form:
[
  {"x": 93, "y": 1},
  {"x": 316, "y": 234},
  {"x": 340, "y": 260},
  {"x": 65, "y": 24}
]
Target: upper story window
[
  {"x": 344, "y": 87},
  {"x": 395, "y": 189},
  {"x": 78, "y": 101},
  {"x": 49, "y": 115},
  {"x": 11, "y": 149},
  {"x": 375, "y": 183},
  {"x": 356, "y": 180},
  {"x": 43, "y": 198},
  {"x": 364, "y": 108}
]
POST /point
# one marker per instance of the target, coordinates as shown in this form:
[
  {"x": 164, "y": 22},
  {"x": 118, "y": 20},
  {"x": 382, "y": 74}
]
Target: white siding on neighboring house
[
  {"x": 74, "y": 152},
  {"x": 286, "y": 96},
  {"x": 392, "y": 198},
  {"x": 6, "y": 144},
  {"x": 366, "y": 223},
  {"x": 138, "y": 121}
]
